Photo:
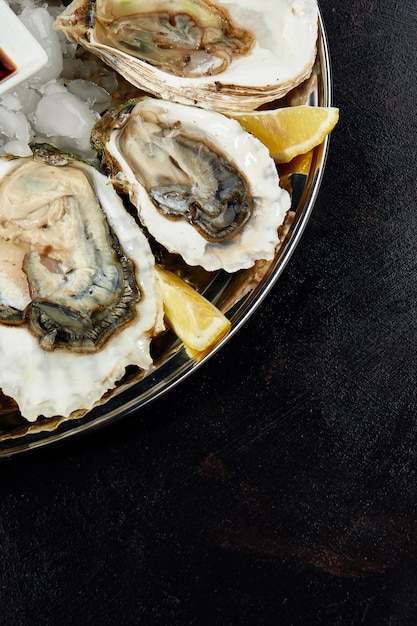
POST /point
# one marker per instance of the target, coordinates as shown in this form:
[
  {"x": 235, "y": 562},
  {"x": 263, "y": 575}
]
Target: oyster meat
[
  {"x": 78, "y": 297},
  {"x": 203, "y": 186},
  {"x": 218, "y": 54}
]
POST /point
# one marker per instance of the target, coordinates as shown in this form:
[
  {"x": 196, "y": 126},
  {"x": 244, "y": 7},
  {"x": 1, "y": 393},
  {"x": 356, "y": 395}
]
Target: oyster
[
  {"x": 218, "y": 55},
  {"x": 78, "y": 298},
  {"x": 203, "y": 186}
]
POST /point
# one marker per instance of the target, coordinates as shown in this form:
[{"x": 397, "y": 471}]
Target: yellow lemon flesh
[
  {"x": 290, "y": 131},
  {"x": 195, "y": 320}
]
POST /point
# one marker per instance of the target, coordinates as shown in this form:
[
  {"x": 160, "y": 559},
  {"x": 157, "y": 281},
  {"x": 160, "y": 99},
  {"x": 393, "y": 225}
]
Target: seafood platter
[{"x": 122, "y": 156}]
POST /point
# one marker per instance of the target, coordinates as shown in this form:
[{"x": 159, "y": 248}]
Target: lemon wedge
[
  {"x": 193, "y": 318},
  {"x": 290, "y": 131}
]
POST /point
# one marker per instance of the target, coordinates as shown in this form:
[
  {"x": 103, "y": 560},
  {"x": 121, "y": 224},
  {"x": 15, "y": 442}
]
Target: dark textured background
[{"x": 278, "y": 485}]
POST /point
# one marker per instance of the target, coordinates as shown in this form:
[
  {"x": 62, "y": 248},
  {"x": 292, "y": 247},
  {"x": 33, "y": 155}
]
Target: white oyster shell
[
  {"x": 284, "y": 35},
  {"x": 59, "y": 382},
  {"x": 127, "y": 139}
]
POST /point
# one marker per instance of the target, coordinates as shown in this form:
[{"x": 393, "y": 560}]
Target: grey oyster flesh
[
  {"x": 178, "y": 37},
  {"x": 187, "y": 179},
  {"x": 73, "y": 285}
]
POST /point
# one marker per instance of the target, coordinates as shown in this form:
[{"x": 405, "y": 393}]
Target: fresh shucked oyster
[
  {"x": 220, "y": 54},
  {"x": 78, "y": 298},
  {"x": 203, "y": 186}
]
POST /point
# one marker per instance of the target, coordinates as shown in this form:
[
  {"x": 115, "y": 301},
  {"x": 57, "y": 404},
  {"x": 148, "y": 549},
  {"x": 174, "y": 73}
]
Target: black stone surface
[{"x": 279, "y": 484}]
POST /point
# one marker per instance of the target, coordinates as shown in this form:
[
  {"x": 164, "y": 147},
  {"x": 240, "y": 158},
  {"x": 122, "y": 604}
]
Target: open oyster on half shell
[
  {"x": 217, "y": 54},
  {"x": 203, "y": 186},
  {"x": 78, "y": 297}
]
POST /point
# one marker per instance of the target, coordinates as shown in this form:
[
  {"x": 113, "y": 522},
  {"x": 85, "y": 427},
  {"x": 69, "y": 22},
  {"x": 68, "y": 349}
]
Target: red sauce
[{"x": 7, "y": 66}]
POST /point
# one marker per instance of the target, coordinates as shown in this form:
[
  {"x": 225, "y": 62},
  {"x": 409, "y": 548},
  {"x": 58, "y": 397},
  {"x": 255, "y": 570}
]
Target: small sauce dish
[{"x": 21, "y": 55}]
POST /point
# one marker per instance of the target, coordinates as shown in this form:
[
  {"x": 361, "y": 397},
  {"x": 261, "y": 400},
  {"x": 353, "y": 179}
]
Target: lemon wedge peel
[
  {"x": 195, "y": 320},
  {"x": 289, "y": 131}
]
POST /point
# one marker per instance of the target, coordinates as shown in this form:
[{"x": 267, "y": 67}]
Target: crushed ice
[{"x": 58, "y": 105}]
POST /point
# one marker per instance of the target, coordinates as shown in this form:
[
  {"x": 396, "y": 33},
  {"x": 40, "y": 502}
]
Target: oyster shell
[
  {"x": 218, "y": 55},
  {"x": 78, "y": 298},
  {"x": 203, "y": 187}
]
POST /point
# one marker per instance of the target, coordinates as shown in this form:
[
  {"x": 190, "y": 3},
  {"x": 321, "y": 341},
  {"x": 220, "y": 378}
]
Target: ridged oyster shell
[
  {"x": 78, "y": 297},
  {"x": 203, "y": 187},
  {"x": 220, "y": 55}
]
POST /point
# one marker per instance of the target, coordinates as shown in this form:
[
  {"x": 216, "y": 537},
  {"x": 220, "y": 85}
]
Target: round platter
[{"x": 236, "y": 295}]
